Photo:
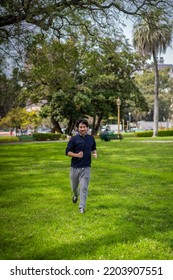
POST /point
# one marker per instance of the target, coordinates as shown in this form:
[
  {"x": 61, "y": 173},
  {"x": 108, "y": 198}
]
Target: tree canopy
[
  {"x": 20, "y": 20},
  {"x": 74, "y": 54},
  {"x": 77, "y": 79},
  {"x": 43, "y": 13},
  {"x": 146, "y": 84},
  {"x": 18, "y": 118},
  {"x": 9, "y": 93}
]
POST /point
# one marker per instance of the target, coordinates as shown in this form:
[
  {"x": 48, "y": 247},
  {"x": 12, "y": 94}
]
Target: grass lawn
[{"x": 129, "y": 212}]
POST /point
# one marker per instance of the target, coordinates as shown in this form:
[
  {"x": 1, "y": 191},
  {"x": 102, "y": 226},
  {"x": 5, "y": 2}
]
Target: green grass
[
  {"x": 129, "y": 212},
  {"x": 4, "y": 139}
]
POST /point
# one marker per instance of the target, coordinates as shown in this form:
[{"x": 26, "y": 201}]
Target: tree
[
  {"x": 146, "y": 84},
  {"x": 54, "y": 73},
  {"x": 18, "y": 118},
  {"x": 81, "y": 78},
  {"x": 112, "y": 77},
  {"x": 152, "y": 36},
  {"x": 9, "y": 93},
  {"x": 43, "y": 14}
]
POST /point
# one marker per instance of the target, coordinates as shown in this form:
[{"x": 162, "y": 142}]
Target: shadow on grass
[{"x": 112, "y": 239}]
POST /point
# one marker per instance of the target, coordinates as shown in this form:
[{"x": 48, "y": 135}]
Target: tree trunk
[
  {"x": 56, "y": 126},
  {"x": 97, "y": 125},
  {"x": 70, "y": 127},
  {"x": 156, "y": 97},
  {"x": 93, "y": 126}
]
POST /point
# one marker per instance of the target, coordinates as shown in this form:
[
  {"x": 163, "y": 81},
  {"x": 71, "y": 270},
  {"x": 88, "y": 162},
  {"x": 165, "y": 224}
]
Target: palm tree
[{"x": 152, "y": 36}]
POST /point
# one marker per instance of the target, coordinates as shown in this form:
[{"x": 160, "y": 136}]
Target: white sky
[{"x": 168, "y": 56}]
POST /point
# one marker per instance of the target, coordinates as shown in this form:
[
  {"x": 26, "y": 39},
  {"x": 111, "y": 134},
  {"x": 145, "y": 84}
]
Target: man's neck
[{"x": 83, "y": 135}]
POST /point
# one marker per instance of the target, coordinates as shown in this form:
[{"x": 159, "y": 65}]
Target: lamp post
[
  {"x": 130, "y": 114},
  {"x": 118, "y": 105}
]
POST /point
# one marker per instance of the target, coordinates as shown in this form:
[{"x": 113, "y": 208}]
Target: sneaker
[
  {"x": 74, "y": 198},
  {"x": 82, "y": 210}
]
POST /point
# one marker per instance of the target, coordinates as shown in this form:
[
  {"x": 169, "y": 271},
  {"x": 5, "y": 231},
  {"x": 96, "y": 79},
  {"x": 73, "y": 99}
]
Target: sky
[{"x": 168, "y": 56}]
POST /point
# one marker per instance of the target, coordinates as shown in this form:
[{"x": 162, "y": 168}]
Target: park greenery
[
  {"x": 146, "y": 84},
  {"x": 129, "y": 208},
  {"x": 82, "y": 78},
  {"x": 73, "y": 56},
  {"x": 103, "y": 104},
  {"x": 152, "y": 35},
  {"x": 21, "y": 20},
  {"x": 20, "y": 118}
]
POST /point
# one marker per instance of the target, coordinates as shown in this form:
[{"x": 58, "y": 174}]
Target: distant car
[
  {"x": 26, "y": 132},
  {"x": 39, "y": 130},
  {"x": 103, "y": 128},
  {"x": 29, "y": 132},
  {"x": 135, "y": 129},
  {"x": 23, "y": 131},
  {"x": 63, "y": 130},
  {"x": 44, "y": 130},
  {"x": 47, "y": 130}
]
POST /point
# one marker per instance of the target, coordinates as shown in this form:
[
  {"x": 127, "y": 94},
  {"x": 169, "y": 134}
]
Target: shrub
[
  {"x": 4, "y": 139},
  {"x": 144, "y": 134},
  {"x": 168, "y": 132},
  {"x": 46, "y": 136},
  {"x": 63, "y": 136}
]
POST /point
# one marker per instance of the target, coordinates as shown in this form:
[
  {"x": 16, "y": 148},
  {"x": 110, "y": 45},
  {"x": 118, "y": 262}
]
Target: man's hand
[
  {"x": 77, "y": 155},
  {"x": 95, "y": 155},
  {"x": 80, "y": 155}
]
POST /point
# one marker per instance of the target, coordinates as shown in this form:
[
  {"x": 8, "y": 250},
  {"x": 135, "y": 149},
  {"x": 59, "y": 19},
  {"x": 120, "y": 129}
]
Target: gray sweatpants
[{"x": 80, "y": 177}]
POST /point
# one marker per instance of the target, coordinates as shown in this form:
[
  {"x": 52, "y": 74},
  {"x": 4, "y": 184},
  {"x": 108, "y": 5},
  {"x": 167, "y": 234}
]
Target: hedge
[
  {"x": 4, "y": 139},
  {"x": 168, "y": 132},
  {"x": 63, "y": 136},
  {"x": 46, "y": 136}
]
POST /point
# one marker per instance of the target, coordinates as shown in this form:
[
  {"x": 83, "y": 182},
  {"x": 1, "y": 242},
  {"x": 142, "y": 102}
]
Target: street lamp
[
  {"x": 118, "y": 105},
  {"x": 130, "y": 119}
]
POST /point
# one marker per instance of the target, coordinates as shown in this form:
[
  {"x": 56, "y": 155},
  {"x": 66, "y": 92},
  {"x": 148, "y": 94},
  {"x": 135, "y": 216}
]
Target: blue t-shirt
[{"x": 85, "y": 144}]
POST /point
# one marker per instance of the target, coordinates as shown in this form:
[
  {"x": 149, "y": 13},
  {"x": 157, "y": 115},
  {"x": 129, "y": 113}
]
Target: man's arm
[
  {"x": 70, "y": 149},
  {"x": 77, "y": 155},
  {"x": 94, "y": 153}
]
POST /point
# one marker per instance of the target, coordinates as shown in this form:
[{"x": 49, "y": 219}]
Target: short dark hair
[{"x": 83, "y": 121}]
